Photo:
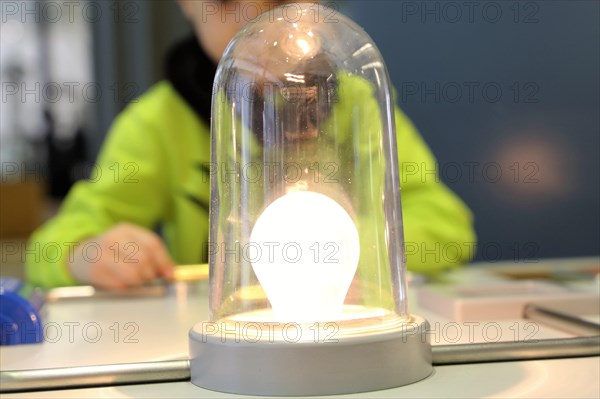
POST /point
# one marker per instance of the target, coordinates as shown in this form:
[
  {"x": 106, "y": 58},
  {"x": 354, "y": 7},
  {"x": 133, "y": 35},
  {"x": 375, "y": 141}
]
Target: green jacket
[{"x": 151, "y": 172}]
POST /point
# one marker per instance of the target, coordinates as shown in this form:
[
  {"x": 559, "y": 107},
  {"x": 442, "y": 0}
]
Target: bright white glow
[
  {"x": 301, "y": 44},
  {"x": 305, "y": 251}
]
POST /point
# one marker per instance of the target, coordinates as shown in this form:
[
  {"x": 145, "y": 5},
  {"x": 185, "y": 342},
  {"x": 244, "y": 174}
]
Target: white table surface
[{"x": 156, "y": 328}]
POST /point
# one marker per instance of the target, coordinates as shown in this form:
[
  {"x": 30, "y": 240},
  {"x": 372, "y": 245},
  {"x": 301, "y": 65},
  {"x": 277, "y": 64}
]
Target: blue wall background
[{"x": 506, "y": 93}]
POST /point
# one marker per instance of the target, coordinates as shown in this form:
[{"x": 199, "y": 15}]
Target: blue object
[{"x": 20, "y": 321}]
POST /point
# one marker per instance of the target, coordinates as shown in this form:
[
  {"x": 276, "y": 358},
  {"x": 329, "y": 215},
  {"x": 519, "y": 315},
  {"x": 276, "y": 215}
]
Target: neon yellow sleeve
[
  {"x": 438, "y": 226},
  {"x": 128, "y": 183}
]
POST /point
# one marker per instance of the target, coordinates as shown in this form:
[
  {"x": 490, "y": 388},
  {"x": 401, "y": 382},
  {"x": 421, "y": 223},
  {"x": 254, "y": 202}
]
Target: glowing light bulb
[{"x": 305, "y": 251}]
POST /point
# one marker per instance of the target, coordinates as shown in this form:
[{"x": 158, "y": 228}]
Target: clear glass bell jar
[{"x": 305, "y": 217}]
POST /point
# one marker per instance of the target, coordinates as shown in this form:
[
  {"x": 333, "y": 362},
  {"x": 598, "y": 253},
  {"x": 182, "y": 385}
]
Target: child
[{"x": 148, "y": 177}]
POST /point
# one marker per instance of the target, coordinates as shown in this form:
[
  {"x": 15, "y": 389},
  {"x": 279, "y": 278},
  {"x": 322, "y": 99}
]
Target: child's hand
[{"x": 124, "y": 256}]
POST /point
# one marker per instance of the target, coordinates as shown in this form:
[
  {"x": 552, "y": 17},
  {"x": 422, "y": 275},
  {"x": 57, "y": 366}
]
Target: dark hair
[{"x": 304, "y": 106}]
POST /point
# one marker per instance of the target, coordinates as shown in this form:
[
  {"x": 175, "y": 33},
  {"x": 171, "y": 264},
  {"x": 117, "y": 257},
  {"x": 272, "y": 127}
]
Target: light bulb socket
[{"x": 227, "y": 363}]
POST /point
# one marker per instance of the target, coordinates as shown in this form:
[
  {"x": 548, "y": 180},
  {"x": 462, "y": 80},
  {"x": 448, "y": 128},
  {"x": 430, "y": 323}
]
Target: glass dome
[{"x": 306, "y": 222}]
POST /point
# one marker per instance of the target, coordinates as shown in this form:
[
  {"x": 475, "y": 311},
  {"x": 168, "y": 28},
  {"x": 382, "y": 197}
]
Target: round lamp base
[{"x": 229, "y": 361}]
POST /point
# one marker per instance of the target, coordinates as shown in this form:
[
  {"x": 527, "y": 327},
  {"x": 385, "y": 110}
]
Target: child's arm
[
  {"x": 128, "y": 184},
  {"x": 438, "y": 227}
]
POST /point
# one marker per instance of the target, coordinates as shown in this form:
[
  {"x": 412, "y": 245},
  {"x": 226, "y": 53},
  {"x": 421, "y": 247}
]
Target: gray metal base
[{"x": 353, "y": 364}]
